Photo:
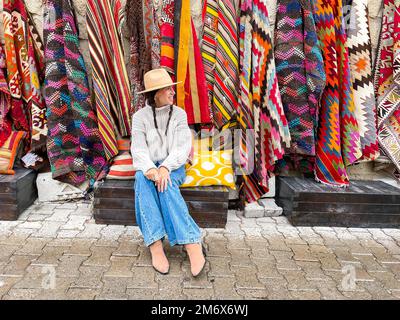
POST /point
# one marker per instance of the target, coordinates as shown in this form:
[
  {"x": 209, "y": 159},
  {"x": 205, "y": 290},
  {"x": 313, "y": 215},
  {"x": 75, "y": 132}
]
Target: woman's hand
[
  {"x": 163, "y": 180},
  {"x": 152, "y": 174}
]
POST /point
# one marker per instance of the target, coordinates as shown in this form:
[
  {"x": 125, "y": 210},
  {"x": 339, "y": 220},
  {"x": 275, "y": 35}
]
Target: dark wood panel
[
  {"x": 358, "y": 192},
  {"x": 127, "y": 217},
  {"x": 129, "y": 204},
  {"x": 344, "y": 208},
  {"x": 9, "y": 212},
  {"x": 17, "y": 192},
  {"x": 8, "y": 198},
  {"x": 362, "y": 204},
  {"x": 206, "y": 193},
  {"x": 338, "y": 220}
]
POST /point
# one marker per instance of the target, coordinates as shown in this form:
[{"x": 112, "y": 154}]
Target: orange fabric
[
  {"x": 185, "y": 33},
  {"x": 9, "y": 150},
  {"x": 123, "y": 144}
]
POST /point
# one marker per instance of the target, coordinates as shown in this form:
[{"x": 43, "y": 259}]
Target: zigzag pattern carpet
[
  {"x": 338, "y": 142},
  {"x": 74, "y": 147},
  {"x": 360, "y": 58}
]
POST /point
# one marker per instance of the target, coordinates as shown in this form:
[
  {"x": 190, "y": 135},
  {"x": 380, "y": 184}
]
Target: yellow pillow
[{"x": 210, "y": 168}]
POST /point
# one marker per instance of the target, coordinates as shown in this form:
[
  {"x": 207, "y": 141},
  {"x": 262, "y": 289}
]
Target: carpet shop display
[{"x": 303, "y": 92}]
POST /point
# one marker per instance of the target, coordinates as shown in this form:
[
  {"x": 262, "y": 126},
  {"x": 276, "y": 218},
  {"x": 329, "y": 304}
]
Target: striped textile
[
  {"x": 220, "y": 52},
  {"x": 387, "y": 82},
  {"x": 191, "y": 92},
  {"x": 360, "y": 58},
  {"x": 5, "y": 101},
  {"x": 122, "y": 165},
  {"x": 74, "y": 146},
  {"x": 167, "y": 36},
  {"x": 140, "y": 52},
  {"x": 262, "y": 120},
  {"x": 110, "y": 78},
  {"x": 300, "y": 70},
  {"x": 9, "y": 151},
  {"x": 338, "y": 142}
]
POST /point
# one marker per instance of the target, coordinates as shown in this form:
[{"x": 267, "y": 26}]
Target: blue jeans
[{"x": 164, "y": 213}]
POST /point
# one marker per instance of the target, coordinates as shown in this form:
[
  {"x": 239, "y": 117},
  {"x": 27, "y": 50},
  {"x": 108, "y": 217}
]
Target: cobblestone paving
[{"x": 56, "y": 251}]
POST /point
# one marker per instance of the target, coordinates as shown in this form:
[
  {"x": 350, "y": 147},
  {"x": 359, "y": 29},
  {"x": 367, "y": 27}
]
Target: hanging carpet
[
  {"x": 74, "y": 146},
  {"x": 301, "y": 73},
  {"x": 387, "y": 82},
  {"x": 264, "y": 128},
  {"x": 140, "y": 51},
  {"x": 110, "y": 78},
  {"x": 24, "y": 61},
  {"x": 360, "y": 59},
  {"x": 338, "y": 141},
  {"x": 191, "y": 91},
  {"x": 220, "y": 53}
]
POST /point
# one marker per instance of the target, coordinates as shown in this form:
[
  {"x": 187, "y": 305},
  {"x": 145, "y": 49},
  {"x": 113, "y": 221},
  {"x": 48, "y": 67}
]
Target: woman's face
[{"x": 164, "y": 96}]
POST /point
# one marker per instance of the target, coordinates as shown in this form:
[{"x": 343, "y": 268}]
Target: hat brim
[{"x": 159, "y": 87}]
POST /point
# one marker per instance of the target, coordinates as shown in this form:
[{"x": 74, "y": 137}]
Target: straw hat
[{"x": 157, "y": 79}]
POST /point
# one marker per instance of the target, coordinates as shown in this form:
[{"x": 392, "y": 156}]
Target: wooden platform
[
  {"x": 17, "y": 193},
  {"x": 363, "y": 204},
  {"x": 114, "y": 204}
]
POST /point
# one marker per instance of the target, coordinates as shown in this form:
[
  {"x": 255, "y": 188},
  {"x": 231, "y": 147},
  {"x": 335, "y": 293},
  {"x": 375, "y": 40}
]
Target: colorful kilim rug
[
  {"x": 264, "y": 128},
  {"x": 16, "y": 47},
  {"x": 338, "y": 141},
  {"x": 140, "y": 52},
  {"x": 387, "y": 82},
  {"x": 300, "y": 70},
  {"x": 360, "y": 58},
  {"x": 74, "y": 146},
  {"x": 5, "y": 101},
  {"x": 110, "y": 78},
  {"x": 24, "y": 60},
  {"x": 220, "y": 54}
]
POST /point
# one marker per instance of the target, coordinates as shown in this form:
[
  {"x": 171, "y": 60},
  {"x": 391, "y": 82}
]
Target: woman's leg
[
  {"x": 180, "y": 226},
  {"x": 147, "y": 209},
  {"x": 150, "y": 221}
]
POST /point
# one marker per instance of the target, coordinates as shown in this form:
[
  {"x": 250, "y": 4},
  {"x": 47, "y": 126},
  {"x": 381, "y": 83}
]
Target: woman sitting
[{"x": 161, "y": 144}]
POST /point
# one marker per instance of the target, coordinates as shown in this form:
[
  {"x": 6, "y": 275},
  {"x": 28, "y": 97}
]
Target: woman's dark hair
[{"x": 150, "y": 97}]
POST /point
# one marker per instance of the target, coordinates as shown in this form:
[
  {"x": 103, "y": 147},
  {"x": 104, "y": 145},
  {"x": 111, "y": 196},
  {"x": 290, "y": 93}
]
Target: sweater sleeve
[
  {"x": 139, "y": 149},
  {"x": 182, "y": 144}
]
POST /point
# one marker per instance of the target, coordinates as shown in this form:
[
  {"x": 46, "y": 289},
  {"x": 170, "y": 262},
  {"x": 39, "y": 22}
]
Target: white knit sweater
[{"x": 146, "y": 146}]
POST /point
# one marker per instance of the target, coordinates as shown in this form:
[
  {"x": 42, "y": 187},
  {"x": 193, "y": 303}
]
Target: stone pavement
[{"x": 56, "y": 251}]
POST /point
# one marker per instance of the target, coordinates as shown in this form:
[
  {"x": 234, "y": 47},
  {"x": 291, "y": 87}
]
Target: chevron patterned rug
[
  {"x": 74, "y": 147},
  {"x": 360, "y": 58},
  {"x": 338, "y": 142}
]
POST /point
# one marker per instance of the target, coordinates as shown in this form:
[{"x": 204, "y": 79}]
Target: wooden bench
[
  {"x": 363, "y": 204},
  {"x": 114, "y": 204},
  {"x": 17, "y": 193}
]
